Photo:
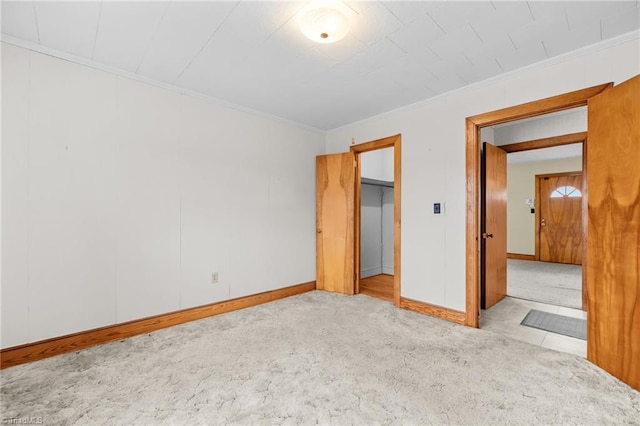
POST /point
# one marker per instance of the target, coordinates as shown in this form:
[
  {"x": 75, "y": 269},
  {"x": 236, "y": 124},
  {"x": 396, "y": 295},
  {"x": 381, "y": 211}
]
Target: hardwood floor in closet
[{"x": 378, "y": 286}]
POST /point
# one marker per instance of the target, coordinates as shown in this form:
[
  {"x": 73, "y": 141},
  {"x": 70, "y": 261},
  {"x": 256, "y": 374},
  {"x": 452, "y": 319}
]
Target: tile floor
[{"x": 505, "y": 317}]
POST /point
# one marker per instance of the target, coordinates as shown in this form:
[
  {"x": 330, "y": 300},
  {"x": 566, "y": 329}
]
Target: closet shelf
[{"x": 376, "y": 182}]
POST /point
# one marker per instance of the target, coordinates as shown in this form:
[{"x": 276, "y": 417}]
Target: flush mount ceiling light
[{"x": 324, "y": 24}]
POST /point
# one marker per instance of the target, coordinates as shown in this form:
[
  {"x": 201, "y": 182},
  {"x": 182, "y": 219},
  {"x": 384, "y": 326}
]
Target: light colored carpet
[
  {"x": 318, "y": 358},
  {"x": 554, "y": 283}
]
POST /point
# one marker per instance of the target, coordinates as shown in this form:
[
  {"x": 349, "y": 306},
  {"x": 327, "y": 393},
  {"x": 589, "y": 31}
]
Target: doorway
[
  {"x": 376, "y": 224},
  {"x": 534, "y": 285},
  {"x": 511, "y": 214},
  {"x": 544, "y": 231},
  {"x": 474, "y": 125},
  {"x": 387, "y": 151},
  {"x": 612, "y": 153},
  {"x": 338, "y": 217}
]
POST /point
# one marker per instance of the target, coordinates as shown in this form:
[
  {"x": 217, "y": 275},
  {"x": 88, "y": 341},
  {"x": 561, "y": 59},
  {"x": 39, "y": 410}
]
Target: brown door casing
[
  {"x": 612, "y": 256},
  {"x": 388, "y": 142},
  {"x": 472, "y": 151}
]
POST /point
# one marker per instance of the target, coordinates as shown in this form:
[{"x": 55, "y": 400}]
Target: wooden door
[
  {"x": 559, "y": 217},
  {"x": 613, "y": 231},
  {"x": 493, "y": 267},
  {"x": 335, "y": 185}
]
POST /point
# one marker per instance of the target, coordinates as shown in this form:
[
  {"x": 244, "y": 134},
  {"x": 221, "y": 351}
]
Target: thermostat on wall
[{"x": 436, "y": 208}]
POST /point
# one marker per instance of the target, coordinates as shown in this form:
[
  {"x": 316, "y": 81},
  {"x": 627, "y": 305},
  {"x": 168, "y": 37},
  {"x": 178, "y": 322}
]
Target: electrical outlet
[{"x": 214, "y": 278}]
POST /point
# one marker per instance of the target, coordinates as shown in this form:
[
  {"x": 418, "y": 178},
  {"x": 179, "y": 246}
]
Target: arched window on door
[{"x": 566, "y": 192}]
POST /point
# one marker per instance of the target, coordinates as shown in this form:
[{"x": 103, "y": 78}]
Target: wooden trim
[
  {"x": 472, "y": 241},
  {"x": 472, "y": 150},
  {"x": 519, "y": 256},
  {"x": 434, "y": 310},
  {"x": 358, "y": 223},
  {"x": 397, "y": 208},
  {"x": 536, "y": 225},
  {"x": 545, "y": 142},
  {"x": 388, "y": 142},
  {"x": 585, "y": 225},
  {"x": 558, "y": 174},
  {"x": 72, "y": 342},
  {"x": 540, "y": 107}
]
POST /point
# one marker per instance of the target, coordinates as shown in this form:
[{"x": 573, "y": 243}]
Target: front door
[
  {"x": 335, "y": 213},
  {"x": 613, "y": 231},
  {"x": 493, "y": 267},
  {"x": 560, "y": 217}
]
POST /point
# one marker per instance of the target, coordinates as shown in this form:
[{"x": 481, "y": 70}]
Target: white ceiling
[{"x": 253, "y": 54}]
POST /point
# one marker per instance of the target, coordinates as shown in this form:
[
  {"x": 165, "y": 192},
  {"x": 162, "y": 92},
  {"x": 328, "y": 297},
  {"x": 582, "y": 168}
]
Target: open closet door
[
  {"x": 613, "y": 231},
  {"x": 493, "y": 267},
  {"x": 335, "y": 185}
]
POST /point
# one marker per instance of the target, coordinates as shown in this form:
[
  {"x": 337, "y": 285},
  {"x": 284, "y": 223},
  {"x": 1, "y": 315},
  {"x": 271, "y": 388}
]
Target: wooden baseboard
[
  {"x": 434, "y": 310},
  {"x": 72, "y": 342},
  {"x": 521, "y": 256}
]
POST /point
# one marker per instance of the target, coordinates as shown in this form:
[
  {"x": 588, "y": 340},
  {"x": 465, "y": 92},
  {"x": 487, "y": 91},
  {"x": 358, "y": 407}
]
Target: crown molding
[
  {"x": 633, "y": 35},
  {"x": 592, "y": 48},
  {"x": 137, "y": 77}
]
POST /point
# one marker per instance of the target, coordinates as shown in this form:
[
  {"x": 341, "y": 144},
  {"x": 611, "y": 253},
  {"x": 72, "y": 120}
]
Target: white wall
[
  {"x": 571, "y": 121},
  {"x": 371, "y": 164},
  {"x": 387, "y": 230},
  {"x": 119, "y": 199},
  {"x": 377, "y": 164},
  {"x": 370, "y": 230},
  {"x": 376, "y": 230},
  {"x": 487, "y": 134},
  {"x": 521, "y": 187},
  {"x": 376, "y": 250},
  {"x": 387, "y": 164},
  {"x": 433, "y": 159}
]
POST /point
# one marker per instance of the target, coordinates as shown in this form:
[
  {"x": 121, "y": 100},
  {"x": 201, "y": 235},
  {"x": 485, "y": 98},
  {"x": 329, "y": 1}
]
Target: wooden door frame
[
  {"x": 472, "y": 150},
  {"x": 388, "y": 142},
  {"x": 537, "y": 210}
]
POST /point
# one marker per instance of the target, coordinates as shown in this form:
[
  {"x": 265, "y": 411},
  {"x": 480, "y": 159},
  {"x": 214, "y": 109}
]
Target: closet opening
[
  {"x": 377, "y": 219},
  {"x": 376, "y": 224}
]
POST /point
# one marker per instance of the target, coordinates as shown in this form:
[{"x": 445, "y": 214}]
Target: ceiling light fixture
[{"x": 324, "y": 24}]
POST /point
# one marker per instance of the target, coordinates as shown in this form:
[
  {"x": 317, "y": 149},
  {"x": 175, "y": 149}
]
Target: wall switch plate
[
  {"x": 436, "y": 208},
  {"x": 214, "y": 278}
]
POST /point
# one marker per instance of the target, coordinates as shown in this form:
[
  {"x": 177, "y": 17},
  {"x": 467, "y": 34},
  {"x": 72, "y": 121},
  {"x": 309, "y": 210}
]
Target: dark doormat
[{"x": 559, "y": 324}]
